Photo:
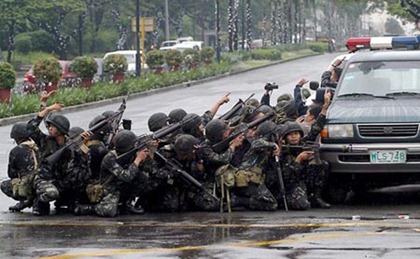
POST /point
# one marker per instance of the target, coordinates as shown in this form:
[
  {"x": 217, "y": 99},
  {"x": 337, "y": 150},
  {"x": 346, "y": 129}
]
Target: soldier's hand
[
  {"x": 277, "y": 151},
  {"x": 304, "y": 156},
  {"x": 45, "y": 95},
  {"x": 87, "y": 135},
  {"x": 237, "y": 142},
  {"x": 141, "y": 156},
  {"x": 54, "y": 107},
  {"x": 224, "y": 99},
  {"x": 302, "y": 82}
]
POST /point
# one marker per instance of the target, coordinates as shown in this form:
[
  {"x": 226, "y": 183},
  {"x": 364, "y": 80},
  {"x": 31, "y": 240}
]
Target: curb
[{"x": 14, "y": 119}]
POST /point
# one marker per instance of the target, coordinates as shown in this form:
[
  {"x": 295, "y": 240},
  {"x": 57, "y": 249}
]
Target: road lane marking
[{"x": 217, "y": 246}]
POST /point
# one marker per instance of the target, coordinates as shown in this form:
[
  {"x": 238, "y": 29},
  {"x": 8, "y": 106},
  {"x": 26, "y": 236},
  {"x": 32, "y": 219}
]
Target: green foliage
[
  {"x": 21, "y": 58},
  {"x": 7, "y": 75},
  {"x": 191, "y": 56},
  {"x": 173, "y": 57},
  {"x": 84, "y": 67},
  {"x": 23, "y": 43},
  {"x": 319, "y": 47},
  {"x": 41, "y": 41},
  {"x": 155, "y": 58},
  {"x": 115, "y": 63},
  {"x": 267, "y": 54},
  {"x": 47, "y": 70},
  {"x": 24, "y": 104},
  {"x": 207, "y": 54}
]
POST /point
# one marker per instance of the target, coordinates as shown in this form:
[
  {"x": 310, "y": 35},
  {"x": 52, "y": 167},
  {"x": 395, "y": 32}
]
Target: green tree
[
  {"x": 51, "y": 17},
  {"x": 12, "y": 16}
]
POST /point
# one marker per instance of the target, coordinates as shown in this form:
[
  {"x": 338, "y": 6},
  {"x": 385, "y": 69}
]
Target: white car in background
[
  {"x": 168, "y": 44},
  {"x": 130, "y": 55},
  {"x": 198, "y": 45}
]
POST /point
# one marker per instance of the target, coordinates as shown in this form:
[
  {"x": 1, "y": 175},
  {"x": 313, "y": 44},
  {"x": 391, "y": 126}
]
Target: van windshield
[{"x": 380, "y": 78}]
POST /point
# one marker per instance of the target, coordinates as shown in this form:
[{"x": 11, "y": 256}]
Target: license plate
[{"x": 388, "y": 156}]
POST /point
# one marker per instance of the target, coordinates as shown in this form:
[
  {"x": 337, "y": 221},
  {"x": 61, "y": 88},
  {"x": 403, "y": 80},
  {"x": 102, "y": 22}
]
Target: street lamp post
[
  {"x": 138, "y": 65},
  {"x": 166, "y": 20},
  {"x": 217, "y": 31}
]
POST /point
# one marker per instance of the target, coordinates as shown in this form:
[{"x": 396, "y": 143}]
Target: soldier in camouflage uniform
[
  {"x": 304, "y": 173},
  {"x": 185, "y": 157},
  {"x": 117, "y": 177},
  {"x": 250, "y": 190},
  {"x": 216, "y": 131},
  {"x": 64, "y": 181},
  {"x": 23, "y": 163}
]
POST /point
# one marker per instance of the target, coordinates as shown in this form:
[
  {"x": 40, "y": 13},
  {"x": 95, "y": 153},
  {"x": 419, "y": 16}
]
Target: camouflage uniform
[
  {"x": 212, "y": 161},
  {"x": 304, "y": 182},
  {"x": 160, "y": 194},
  {"x": 66, "y": 180},
  {"x": 119, "y": 178},
  {"x": 255, "y": 195},
  {"x": 23, "y": 163}
]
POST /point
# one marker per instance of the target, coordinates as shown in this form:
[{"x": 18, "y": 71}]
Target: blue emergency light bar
[{"x": 407, "y": 42}]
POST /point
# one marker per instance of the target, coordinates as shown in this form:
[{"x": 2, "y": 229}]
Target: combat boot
[
  {"x": 20, "y": 206},
  {"x": 318, "y": 202},
  {"x": 81, "y": 210},
  {"x": 133, "y": 206},
  {"x": 40, "y": 208}
]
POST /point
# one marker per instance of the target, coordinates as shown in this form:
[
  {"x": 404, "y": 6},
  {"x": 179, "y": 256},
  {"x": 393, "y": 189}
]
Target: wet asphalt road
[{"x": 375, "y": 225}]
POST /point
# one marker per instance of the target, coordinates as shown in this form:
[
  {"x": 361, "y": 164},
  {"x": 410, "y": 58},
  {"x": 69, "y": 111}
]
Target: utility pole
[
  {"x": 166, "y": 20},
  {"x": 138, "y": 62},
  {"x": 217, "y": 30}
]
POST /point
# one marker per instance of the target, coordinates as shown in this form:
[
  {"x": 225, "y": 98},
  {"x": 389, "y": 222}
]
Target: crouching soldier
[
  {"x": 23, "y": 163},
  {"x": 117, "y": 174},
  {"x": 63, "y": 180},
  {"x": 305, "y": 174},
  {"x": 249, "y": 190}
]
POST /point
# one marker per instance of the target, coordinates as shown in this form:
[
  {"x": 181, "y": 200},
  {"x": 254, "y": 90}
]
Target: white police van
[{"x": 372, "y": 135}]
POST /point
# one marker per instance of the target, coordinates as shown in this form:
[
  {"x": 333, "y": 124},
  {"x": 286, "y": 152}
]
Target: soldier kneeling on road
[
  {"x": 305, "y": 174},
  {"x": 23, "y": 163}
]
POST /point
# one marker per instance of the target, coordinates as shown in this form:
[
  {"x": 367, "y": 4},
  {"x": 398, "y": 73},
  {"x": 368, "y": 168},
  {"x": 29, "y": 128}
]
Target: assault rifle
[
  {"x": 295, "y": 150},
  {"x": 186, "y": 176},
  {"x": 241, "y": 129},
  {"x": 76, "y": 141},
  {"x": 235, "y": 109},
  {"x": 116, "y": 124},
  {"x": 145, "y": 140},
  {"x": 281, "y": 183}
]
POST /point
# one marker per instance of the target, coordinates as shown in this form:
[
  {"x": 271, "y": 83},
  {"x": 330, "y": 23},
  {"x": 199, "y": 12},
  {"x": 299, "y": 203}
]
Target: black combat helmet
[
  {"x": 124, "y": 141},
  {"x": 192, "y": 123},
  {"x": 157, "y": 121},
  {"x": 176, "y": 115},
  {"x": 106, "y": 128},
  {"x": 265, "y": 109},
  {"x": 266, "y": 129},
  {"x": 253, "y": 102},
  {"x": 59, "y": 121},
  {"x": 215, "y": 129},
  {"x": 19, "y": 131},
  {"x": 185, "y": 143},
  {"x": 108, "y": 114},
  {"x": 285, "y": 97},
  {"x": 292, "y": 126},
  {"x": 75, "y": 131}
]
